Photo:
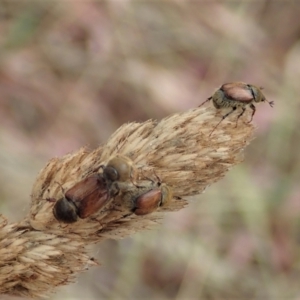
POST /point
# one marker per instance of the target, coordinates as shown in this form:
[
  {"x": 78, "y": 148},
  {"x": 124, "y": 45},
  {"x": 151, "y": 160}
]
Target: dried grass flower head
[
  {"x": 174, "y": 157},
  {"x": 178, "y": 150}
]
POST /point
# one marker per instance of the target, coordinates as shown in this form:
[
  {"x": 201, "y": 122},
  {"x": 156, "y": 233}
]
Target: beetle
[
  {"x": 92, "y": 193},
  {"x": 149, "y": 201},
  {"x": 234, "y": 95},
  {"x": 82, "y": 200}
]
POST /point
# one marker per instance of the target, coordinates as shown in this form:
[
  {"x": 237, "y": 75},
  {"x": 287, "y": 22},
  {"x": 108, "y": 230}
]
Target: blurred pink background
[{"x": 72, "y": 72}]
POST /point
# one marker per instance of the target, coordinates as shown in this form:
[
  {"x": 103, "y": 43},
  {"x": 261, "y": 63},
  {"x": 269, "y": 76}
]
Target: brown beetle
[
  {"x": 234, "y": 95},
  {"x": 82, "y": 200},
  {"x": 92, "y": 193},
  {"x": 149, "y": 201}
]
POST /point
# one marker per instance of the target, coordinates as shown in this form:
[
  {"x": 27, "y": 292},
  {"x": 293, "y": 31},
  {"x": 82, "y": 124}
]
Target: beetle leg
[
  {"x": 63, "y": 190},
  {"x": 114, "y": 189},
  {"x": 243, "y": 110},
  {"x": 157, "y": 178},
  {"x": 133, "y": 182},
  {"x": 51, "y": 200},
  {"x": 253, "y": 111},
  {"x": 223, "y": 117},
  {"x": 148, "y": 178},
  {"x": 208, "y": 99}
]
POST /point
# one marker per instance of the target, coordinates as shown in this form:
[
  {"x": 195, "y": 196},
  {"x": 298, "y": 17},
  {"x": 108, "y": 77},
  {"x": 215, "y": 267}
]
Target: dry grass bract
[{"x": 39, "y": 253}]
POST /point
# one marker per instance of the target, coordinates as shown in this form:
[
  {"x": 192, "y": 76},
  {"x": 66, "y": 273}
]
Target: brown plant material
[{"x": 40, "y": 253}]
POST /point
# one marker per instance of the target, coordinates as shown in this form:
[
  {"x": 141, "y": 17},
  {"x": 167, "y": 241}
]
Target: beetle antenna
[{"x": 271, "y": 103}]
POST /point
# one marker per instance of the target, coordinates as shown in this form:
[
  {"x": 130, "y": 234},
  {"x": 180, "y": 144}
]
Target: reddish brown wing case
[
  {"x": 237, "y": 91},
  {"x": 89, "y": 195},
  {"x": 148, "y": 202}
]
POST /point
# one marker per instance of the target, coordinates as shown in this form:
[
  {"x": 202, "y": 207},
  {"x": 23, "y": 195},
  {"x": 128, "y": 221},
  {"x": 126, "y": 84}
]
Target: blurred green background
[{"x": 71, "y": 72}]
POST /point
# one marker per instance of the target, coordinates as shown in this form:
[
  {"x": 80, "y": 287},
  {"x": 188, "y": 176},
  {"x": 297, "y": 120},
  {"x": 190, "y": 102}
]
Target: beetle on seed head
[
  {"x": 91, "y": 194},
  {"x": 234, "y": 95},
  {"x": 151, "y": 200},
  {"x": 147, "y": 198},
  {"x": 82, "y": 200}
]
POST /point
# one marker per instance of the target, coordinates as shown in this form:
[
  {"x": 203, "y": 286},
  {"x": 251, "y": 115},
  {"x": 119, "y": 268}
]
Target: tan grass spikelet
[
  {"x": 41, "y": 253},
  {"x": 177, "y": 149}
]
